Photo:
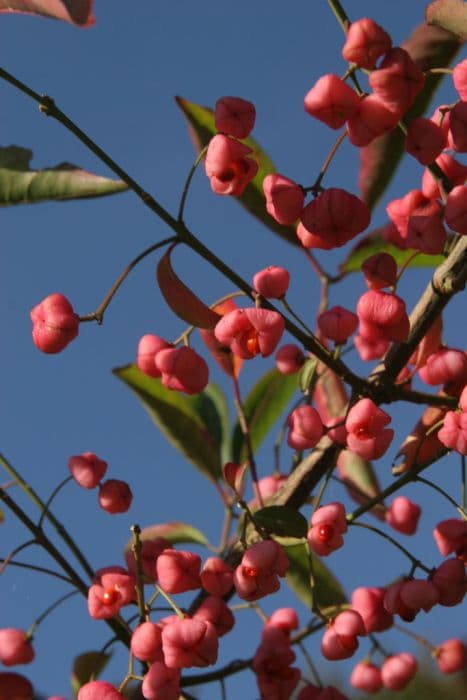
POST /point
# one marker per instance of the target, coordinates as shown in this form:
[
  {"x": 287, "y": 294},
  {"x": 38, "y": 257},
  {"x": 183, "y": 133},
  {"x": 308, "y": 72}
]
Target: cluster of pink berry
[
  {"x": 418, "y": 220},
  {"x": 88, "y": 470}
]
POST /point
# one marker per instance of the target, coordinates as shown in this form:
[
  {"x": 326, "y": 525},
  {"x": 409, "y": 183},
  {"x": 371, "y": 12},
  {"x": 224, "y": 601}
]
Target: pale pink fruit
[
  {"x": 331, "y": 101},
  {"x": 403, "y": 515},
  {"x": 366, "y": 41},
  {"x": 249, "y": 332},
  {"x": 188, "y": 643},
  {"x": 328, "y": 524},
  {"x": 234, "y": 116},
  {"x": 15, "y": 647},
  {"x": 87, "y": 469},
  {"x": 451, "y": 656},
  {"x": 54, "y": 324},
  {"x": 148, "y": 347},
  {"x": 228, "y": 165},
  {"x": 397, "y": 671},
  {"x": 272, "y": 282},
  {"x": 178, "y": 571},
  {"x": 182, "y": 369},
  {"x": 115, "y": 496},
  {"x": 380, "y": 270},
  {"x": 284, "y": 198},
  {"x": 305, "y": 428}
]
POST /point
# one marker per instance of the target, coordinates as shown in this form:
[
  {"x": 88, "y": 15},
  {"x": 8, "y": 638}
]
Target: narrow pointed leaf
[
  {"x": 183, "y": 302},
  {"x": 307, "y": 374},
  {"x": 181, "y": 418},
  {"x": 360, "y": 480},
  {"x": 374, "y": 243},
  {"x": 202, "y": 129},
  {"x": 429, "y": 47},
  {"x": 327, "y": 591},
  {"x": 282, "y": 520},
  {"x": 77, "y": 12},
  {"x": 87, "y": 667},
  {"x": 19, "y": 184},
  {"x": 263, "y": 406},
  {"x": 174, "y": 532},
  {"x": 448, "y": 14}
]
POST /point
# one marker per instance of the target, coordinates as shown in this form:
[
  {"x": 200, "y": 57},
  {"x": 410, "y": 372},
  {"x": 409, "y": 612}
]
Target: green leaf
[
  {"x": 212, "y": 407},
  {"x": 182, "y": 419},
  {"x": 282, "y": 520},
  {"x": 180, "y": 298},
  {"x": 307, "y": 374},
  {"x": 360, "y": 480},
  {"x": 448, "y": 14},
  {"x": 430, "y": 47},
  {"x": 202, "y": 129},
  {"x": 174, "y": 532},
  {"x": 374, "y": 243},
  {"x": 327, "y": 590},
  {"x": 21, "y": 185},
  {"x": 88, "y": 667},
  {"x": 263, "y": 406}
]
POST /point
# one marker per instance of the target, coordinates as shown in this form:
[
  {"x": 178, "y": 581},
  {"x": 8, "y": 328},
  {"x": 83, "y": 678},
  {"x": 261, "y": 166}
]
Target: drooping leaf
[
  {"x": 19, "y": 184},
  {"x": 374, "y": 243},
  {"x": 429, "y": 47},
  {"x": 421, "y": 444},
  {"x": 174, "y": 532},
  {"x": 77, "y": 12},
  {"x": 215, "y": 414},
  {"x": 282, "y": 520},
  {"x": 327, "y": 590},
  {"x": 202, "y": 129},
  {"x": 263, "y": 406},
  {"x": 360, "y": 480},
  {"x": 448, "y": 14},
  {"x": 183, "y": 302},
  {"x": 181, "y": 418},
  {"x": 88, "y": 667}
]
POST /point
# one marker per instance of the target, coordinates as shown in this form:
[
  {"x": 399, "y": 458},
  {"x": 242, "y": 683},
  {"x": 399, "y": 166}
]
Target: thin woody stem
[
  {"x": 437, "y": 488},
  {"x": 32, "y": 495},
  {"x": 34, "y": 567},
  {"x": 415, "y": 562},
  {"x": 46, "y": 613},
  {"x": 136, "y": 549},
  {"x": 47, "y": 106},
  {"x": 116, "y": 623},
  {"x": 317, "y": 184},
  {"x": 188, "y": 182},
  {"x": 98, "y": 314},
  {"x": 242, "y": 420}
]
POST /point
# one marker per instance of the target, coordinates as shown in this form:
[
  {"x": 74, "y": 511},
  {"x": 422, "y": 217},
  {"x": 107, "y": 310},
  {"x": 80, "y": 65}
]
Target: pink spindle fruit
[
  {"x": 54, "y": 324},
  {"x": 234, "y": 116}
]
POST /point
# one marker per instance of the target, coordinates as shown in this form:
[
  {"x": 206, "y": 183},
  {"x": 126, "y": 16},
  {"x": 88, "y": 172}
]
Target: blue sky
[{"x": 118, "y": 81}]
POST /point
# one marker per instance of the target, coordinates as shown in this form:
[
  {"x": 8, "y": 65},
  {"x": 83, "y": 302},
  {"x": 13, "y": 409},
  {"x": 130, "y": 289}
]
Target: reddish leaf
[
  {"x": 77, "y": 12},
  {"x": 360, "y": 480},
  {"x": 429, "y": 47},
  {"x": 448, "y": 14},
  {"x": 417, "y": 448},
  {"x": 180, "y": 298}
]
